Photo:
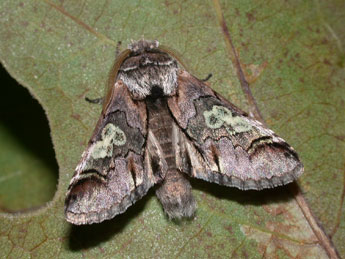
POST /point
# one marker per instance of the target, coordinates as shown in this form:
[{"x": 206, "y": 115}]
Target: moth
[{"x": 161, "y": 125}]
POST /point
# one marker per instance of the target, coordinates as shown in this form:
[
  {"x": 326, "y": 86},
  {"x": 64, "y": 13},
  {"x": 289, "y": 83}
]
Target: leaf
[{"x": 291, "y": 53}]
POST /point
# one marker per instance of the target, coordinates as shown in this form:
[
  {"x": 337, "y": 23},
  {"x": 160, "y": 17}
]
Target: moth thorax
[{"x": 149, "y": 76}]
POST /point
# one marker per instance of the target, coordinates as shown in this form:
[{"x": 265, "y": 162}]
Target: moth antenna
[
  {"x": 118, "y": 47},
  {"x": 95, "y": 101},
  {"x": 175, "y": 54},
  {"x": 130, "y": 44},
  {"x": 113, "y": 74}
]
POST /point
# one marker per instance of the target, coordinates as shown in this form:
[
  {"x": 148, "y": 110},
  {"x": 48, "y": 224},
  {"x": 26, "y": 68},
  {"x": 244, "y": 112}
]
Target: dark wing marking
[
  {"x": 115, "y": 170},
  {"x": 220, "y": 143}
]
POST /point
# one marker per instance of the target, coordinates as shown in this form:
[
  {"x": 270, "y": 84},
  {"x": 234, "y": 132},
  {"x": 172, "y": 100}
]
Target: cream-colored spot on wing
[
  {"x": 111, "y": 134},
  {"x": 220, "y": 115}
]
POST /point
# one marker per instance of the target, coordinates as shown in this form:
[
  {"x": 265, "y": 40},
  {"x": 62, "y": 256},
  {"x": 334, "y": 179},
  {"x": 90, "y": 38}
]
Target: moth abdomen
[{"x": 175, "y": 195}]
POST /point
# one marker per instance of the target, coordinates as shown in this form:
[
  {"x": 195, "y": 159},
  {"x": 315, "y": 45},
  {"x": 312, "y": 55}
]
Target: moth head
[{"x": 141, "y": 46}]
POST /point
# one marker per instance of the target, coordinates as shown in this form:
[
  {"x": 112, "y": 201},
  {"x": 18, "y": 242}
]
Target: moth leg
[
  {"x": 95, "y": 101},
  {"x": 207, "y": 78},
  {"x": 175, "y": 195}
]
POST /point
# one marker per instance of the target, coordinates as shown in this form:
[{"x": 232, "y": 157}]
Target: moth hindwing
[{"x": 161, "y": 125}]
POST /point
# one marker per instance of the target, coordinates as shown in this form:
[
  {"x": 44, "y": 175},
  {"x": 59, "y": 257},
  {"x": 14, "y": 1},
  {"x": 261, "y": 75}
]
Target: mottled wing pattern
[
  {"x": 115, "y": 170},
  {"x": 220, "y": 143}
]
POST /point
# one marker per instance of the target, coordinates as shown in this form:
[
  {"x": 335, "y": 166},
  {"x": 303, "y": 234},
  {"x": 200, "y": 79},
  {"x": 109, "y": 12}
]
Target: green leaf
[{"x": 292, "y": 55}]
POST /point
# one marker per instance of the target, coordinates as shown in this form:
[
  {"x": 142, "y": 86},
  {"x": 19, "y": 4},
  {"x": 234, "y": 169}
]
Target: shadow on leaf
[{"x": 249, "y": 197}]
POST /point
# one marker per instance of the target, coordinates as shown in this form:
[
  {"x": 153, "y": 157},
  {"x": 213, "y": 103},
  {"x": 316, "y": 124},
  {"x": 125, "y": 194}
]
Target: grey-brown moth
[{"x": 161, "y": 125}]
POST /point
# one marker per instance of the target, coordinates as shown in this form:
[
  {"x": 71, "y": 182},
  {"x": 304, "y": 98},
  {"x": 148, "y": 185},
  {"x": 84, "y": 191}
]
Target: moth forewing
[{"x": 158, "y": 125}]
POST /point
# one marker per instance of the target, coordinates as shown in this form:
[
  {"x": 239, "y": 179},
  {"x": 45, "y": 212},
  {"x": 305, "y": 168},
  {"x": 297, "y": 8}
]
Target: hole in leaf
[{"x": 28, "y": 169}]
